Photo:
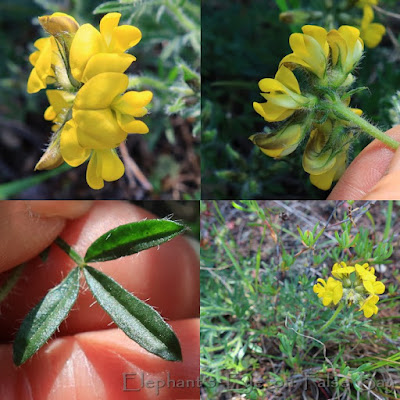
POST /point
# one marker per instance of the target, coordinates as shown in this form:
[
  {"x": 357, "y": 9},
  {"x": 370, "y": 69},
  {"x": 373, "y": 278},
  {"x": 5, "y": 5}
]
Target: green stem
[
  {"x": 345, "y": 113},
  {"x": 70, "y": 251},
  {"x": 336, "y": 313},
  {"x": 388, "y": 220},
  {"x": 11, "y": 281}
]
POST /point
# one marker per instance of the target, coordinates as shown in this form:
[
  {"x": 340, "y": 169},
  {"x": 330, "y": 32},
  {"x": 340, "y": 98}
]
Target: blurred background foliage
[
  {"x": 243, "y": 42},
  {"x": 168, "y": 64}
]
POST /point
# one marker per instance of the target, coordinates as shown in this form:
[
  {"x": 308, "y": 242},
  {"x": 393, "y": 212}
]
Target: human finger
[{"x": 366, "y": 170}]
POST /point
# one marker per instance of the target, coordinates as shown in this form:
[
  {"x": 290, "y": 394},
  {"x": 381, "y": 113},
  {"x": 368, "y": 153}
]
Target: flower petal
[
  {"x": 100, "y": 91},
  {"x": 131, "y": 125},
  {"x": 107, "y": 25},
  {"x": 132, "y": 100},
  {"x": 125, "y": 37},
  {"x": 94, "y": 180},
  {"x": 112, "y": 168},
  {"x": 98, "y": 129},
  {"x": 107, "y": 62},
  {"x": 71, "y": 151},
  {"x": 86, "y": 43}
]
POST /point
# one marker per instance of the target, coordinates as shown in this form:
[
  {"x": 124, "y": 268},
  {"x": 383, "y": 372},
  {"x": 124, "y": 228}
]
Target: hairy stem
[{"x": 345, "y": 112}]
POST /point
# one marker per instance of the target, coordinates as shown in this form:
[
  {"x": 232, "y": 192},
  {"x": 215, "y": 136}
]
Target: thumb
[
  {"x": 388, "y": 188},
  {"x": 28, "y": 227}
]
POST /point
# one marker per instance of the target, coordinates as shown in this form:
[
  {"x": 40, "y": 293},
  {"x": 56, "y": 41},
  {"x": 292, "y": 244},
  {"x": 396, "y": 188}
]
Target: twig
[
  {"x": 133, "y": 168},
  {"x": 387, "y": 13}
]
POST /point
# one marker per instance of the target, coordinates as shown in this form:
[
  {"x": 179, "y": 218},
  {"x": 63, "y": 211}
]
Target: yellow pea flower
[
  {"x": 104, "y": 164},
  {"x": 93, "y": 52},
  {"x": 60, "y": 102},
  {"x": 341, "y": 270},
  {"x": 330, "y": 291},
  {"x": 42, "y": 60},
  {"x": 371, "y": 33},
  {"x": 104, "y": 116},
  {"x": 279, "y": 144},
  {"x": 369, "y": 306},
  {"x": 283, "y": 95},
  {"x": 346, "y": 46},
  {"x": 310, "y": 50}
]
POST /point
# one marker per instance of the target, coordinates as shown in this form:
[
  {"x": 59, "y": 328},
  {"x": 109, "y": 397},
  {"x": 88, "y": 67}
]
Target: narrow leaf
[
  {"x": 45, "y": 317},
  {"x": 137, "y": 319},
  {"x": 132, "y": 238}
]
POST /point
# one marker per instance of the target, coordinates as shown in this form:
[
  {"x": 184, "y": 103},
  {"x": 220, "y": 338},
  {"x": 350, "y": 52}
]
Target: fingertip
[{"x": 365, "y": 171}]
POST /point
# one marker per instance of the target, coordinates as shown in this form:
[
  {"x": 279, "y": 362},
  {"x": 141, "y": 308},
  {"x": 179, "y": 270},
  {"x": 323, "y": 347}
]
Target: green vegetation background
[{"x": 243, "y": 42}]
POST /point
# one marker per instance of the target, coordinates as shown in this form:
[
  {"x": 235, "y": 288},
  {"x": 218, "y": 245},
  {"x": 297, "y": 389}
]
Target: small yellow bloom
[
  {"x": 93, "y": 52},
  {"x": 310, "y": 50},
  {"x": 280, "y": 143},
  {"x": 346, "y": 46},
  {"x": 283, "y": 95},
  {"x": 42, "y": 60},
  {"x": 104, "y": 116},
  {"x": 341, "y": 270},
  {"x": 371, "y": 32},
  {"x": 60, "y": 102},
  {"x": 369, "y": 306},
  {"x": 331, "y": 291}
]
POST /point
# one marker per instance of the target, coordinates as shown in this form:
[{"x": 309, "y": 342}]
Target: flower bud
[
  {"x": 280, "y": 143},
  {"x": 59, "y": 24},
  {"x": 52, "y": 156}
]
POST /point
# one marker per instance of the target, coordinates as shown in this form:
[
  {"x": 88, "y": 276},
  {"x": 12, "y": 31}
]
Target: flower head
[{"x": 358, "y": 284}]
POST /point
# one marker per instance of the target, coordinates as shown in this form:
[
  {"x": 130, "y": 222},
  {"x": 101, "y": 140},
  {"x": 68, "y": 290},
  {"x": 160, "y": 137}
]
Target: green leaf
[
  {"x": 45, "y": 317},
  {"x": 131, "y": 238},
  {"x": 111, "y": 6},
  {"x": 137, "y": 319}
]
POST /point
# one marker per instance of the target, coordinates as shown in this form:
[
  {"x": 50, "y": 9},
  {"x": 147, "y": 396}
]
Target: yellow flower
[
  {"x": 104, "y": 165},
  {"x": 331, "y": 291},
  {"x": 60, "y": 102},
  {"x": 42, "y": 60},
  {"x": 104, "y": 116},
  {"x": 341, "y": 270},
  {"x": 369, "y": 306},
  {"x": 280, "y": 143},
  {"x": 320, "y": 162},
  {"x": 93, "y": 52},
  {"x": 346, "y": 46},
  {"x": 283, "y": 95},
  {"x": 371, "y": 32},
  {"x": 310, "y": 50}
]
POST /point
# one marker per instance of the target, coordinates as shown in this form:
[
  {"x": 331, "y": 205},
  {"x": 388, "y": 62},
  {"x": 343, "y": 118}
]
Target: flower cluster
[
  {"x": 319, "y": 106},
  {"x": 353, "y": 285},
  {"x": 91, "y": 113}
]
